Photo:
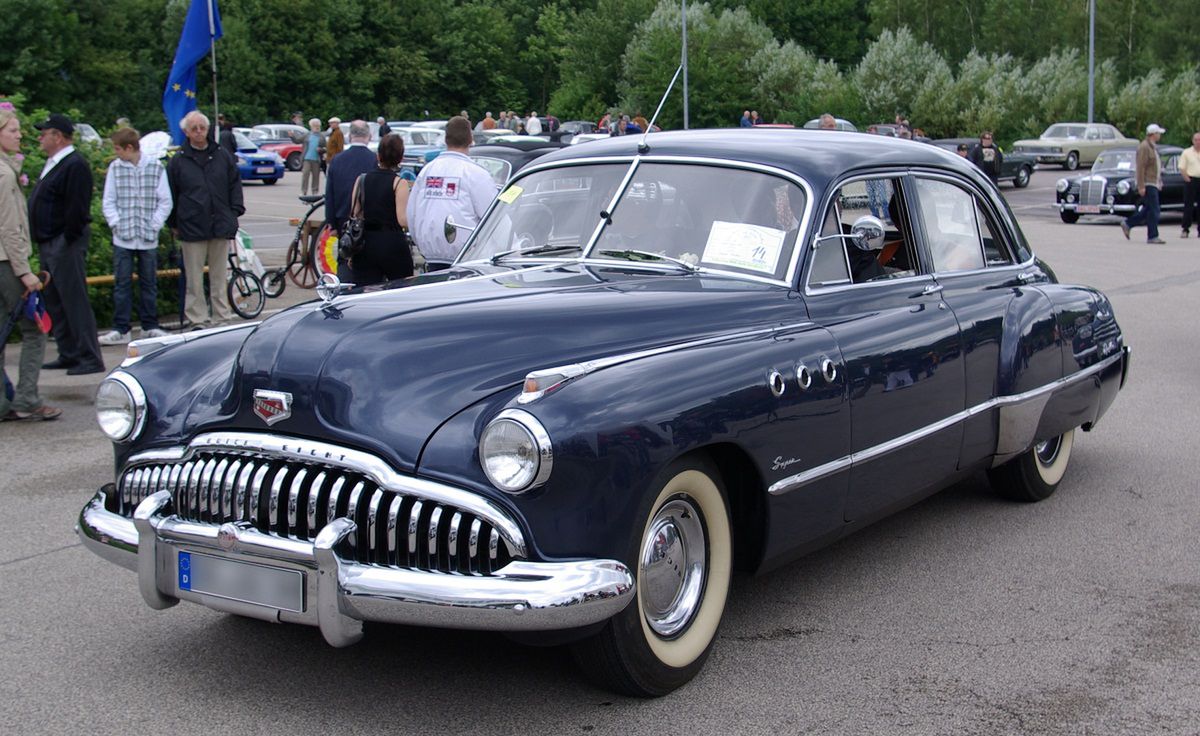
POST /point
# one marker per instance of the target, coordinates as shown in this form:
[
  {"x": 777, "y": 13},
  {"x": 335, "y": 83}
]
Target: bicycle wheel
[
  {"x": 274, "y": 281},
  {"x": 297, "y": 258},
  {"x": 246, "y": 294}
]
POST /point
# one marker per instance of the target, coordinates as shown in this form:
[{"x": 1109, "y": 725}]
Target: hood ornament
[
  {"x": 329, "y": 286},
  {"x": 272, "y": 406}
]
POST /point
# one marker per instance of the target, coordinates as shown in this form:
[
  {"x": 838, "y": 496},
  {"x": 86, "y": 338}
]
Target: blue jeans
[
  {"x": 147, "y": 266},
  {"x": 1147, "y": 212}
]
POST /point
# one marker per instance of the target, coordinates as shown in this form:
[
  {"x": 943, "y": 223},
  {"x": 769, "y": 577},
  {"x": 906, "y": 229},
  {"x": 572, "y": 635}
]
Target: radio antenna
[{"x": 642, "y": 147}]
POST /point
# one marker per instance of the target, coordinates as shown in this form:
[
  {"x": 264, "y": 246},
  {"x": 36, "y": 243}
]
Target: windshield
[
  {"x": 1064, "y": 131},
  {"x": 244, "y": 143},
  {"x": 707, "y": 216},
  {"x": 1115, "y": 160},
  {"x": 421, "y": 137}
]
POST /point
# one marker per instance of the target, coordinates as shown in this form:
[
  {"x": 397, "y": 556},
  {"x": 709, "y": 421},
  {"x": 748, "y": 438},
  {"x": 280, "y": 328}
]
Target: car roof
[{"x": 818, "y": 156}]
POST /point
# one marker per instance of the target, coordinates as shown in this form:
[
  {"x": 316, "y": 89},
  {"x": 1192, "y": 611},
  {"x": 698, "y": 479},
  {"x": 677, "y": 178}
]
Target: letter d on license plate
[{"x": 241, "y": 581}]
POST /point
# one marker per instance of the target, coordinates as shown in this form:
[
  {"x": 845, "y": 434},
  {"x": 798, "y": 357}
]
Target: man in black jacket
[
  {"x": 987, "y": 157},
  {"x": 207, "y": 192},
  {"x": 59, "y": 216},
  {"x": 344, "y": 170}
]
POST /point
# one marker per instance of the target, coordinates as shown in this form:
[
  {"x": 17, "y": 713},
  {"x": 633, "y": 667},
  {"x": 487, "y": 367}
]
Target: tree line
[{"x": 952, "y": 66}]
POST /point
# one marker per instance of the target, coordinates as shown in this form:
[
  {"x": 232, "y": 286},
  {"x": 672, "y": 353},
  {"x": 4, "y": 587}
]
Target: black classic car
[
  {"x": 1015, "y": 167},
  {"x": 655, "y": 361},
  {"x": 1111, "y": 187}
]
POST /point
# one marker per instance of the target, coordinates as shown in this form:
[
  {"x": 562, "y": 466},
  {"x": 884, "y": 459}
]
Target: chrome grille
[
  {"x": 295, "y": 500},
  {"x": 1091, "y": 191}
]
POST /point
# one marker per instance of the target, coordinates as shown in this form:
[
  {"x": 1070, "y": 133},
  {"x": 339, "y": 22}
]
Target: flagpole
[{"x": 212, "y": 41}]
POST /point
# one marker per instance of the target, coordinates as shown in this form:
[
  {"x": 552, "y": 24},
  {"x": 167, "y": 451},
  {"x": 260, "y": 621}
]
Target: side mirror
[
  {"x": 867, "y": 233},
  {"x": 451, "y": 228}
]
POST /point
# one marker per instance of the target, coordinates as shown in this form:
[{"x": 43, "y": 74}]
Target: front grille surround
[{"x": 292, "y": 488}]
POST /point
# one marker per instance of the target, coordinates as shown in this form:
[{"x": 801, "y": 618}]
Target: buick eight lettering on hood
[{"x": 654, "y": 363}]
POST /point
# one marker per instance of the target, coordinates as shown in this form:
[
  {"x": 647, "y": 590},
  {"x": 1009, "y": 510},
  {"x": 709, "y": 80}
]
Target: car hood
[{"x": 384, "y": 370}]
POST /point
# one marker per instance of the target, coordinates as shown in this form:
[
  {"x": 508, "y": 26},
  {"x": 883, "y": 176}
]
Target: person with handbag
[
  {"x": 344, "y": 171},
  {"x": 374, "y": 247}
]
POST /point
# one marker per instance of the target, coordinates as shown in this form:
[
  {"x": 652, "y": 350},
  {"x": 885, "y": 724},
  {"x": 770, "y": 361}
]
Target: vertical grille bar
[
  {"x": 352, "y": 509},
  {"x": 473, "y": 547},
  {"x": 335, "y": 496},
  {"x": 493, "y": 550},
  {"x": 293, "y": 504},
  {"x": 215, "y": 511},
  {"x": 414, "y": 522},
  {"x": 375, "y": 551},
  {"x": 256, "y": 489},
  {"x": 435, "y": 525},
  {"x": 392, "y": 545},
  {"x": 452, "y": 541},
  {"x": 314, "y": 501},
  {"x": 203, "y": 499},
  {"x": 227, "y": 510},
  {"x": 243, "y": 483},
  {"x": 273, "y": 514}
]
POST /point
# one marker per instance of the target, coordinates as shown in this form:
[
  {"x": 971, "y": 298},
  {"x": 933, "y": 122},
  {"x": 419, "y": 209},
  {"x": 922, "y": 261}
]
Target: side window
[
  {"x": 1171, "y": 165},
  {"x": 1108, "y": 134},
  {"x": 993, "y": 247},
  {"x": 839, "y": 260},
  {"x": 952, "y": 225}
]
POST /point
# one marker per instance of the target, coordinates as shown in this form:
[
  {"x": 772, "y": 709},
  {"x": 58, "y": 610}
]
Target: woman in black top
[{"x": 386, "y": 254}]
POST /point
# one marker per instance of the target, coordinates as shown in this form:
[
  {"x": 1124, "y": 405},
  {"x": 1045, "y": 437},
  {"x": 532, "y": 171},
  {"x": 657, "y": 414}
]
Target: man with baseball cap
[
  {"x": 1148, "y": 171},
  {"x": 59, "y": 218}
]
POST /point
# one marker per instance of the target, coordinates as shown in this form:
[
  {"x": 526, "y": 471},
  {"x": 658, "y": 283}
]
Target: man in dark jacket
[
  {"x": 987, "y": 157},
  {"x": 59, "y": 216},
  {"x": 207, "y": 192},
  {"x": 344, "y": 170}
]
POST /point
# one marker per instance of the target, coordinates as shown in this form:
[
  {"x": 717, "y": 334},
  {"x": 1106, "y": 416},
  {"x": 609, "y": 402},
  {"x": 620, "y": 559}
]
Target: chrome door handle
[
  {"x": 931, "y": 289},
  {"x": 1026, "y": 276}
]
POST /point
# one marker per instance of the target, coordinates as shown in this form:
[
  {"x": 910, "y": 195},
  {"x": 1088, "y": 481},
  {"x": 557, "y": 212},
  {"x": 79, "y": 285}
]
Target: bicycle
[
  {"x": 301, "y": 266},
  {"x": 245, "y": 290}
]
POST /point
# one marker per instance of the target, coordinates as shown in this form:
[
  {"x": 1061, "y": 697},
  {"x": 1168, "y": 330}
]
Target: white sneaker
[
  {"x": 114, "y": 337},
  {"x": 156, "y": 332}
]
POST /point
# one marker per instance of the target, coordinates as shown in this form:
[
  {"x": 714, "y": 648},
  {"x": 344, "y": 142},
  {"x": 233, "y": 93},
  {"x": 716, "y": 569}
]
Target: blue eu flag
[{"x": 179, "y": 98}]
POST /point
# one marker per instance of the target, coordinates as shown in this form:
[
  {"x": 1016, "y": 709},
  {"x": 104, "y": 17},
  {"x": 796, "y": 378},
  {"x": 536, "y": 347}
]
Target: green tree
[
  {"x": 794, "y": 85},
  {"x": 832, "y": 30},
  {"x": 720, "y": 74},
  {"x": 892, "y": 73},
  {"x": 596, "y": 38}
]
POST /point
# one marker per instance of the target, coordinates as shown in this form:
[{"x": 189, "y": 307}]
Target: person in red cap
[{"x": 17, "y": 281}]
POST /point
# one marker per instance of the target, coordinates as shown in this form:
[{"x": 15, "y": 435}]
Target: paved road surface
[{"x": 963, "y": 615}]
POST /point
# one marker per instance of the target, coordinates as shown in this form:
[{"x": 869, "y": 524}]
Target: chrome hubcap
[
  {"x": 1047, "y": 451},
  {"x": 672, "y": 568}
]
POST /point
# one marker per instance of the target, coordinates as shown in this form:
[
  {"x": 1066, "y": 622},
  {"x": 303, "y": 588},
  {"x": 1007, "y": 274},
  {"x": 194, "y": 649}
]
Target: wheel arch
[{"x": 745, "y": 492}]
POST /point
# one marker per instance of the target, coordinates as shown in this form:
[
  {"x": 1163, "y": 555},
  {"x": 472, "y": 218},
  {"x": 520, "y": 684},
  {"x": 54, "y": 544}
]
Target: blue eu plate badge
[{"x": 185, "y": 570}]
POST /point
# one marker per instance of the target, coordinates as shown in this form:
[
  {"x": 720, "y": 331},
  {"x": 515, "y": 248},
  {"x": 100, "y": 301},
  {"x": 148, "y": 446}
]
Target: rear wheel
[
  {"x": 683, "y": 556},
  {"x": 1069, "y": 216},
  {"x": 294, "y": 162},
  {"x": 1035, "y": 474},
  {"x": 1021, "y": 179},
  {"x": 246, "y": 295}
]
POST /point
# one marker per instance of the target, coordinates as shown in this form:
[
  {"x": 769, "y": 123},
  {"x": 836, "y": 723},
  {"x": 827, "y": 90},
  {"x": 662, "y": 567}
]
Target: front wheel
[
  {"x": 684, "y": 559},
  {"x": 1072, "y": 162},
  {"x": 269, "y": 182},
  {"x": 1069, "y": 216},
  {"x": 274, "y": 282},
  {"x": 1035, "y": 474},
  {"x": 294, "y": 161},
  {"x": 246, "y": 295},
  {"x": 1021, "y": 180}
]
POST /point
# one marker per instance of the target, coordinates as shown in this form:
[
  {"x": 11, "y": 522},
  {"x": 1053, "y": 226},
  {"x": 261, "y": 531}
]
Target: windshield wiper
[
  {"x": 642, "y": 255},
  {"x": 535, "y": 250}
]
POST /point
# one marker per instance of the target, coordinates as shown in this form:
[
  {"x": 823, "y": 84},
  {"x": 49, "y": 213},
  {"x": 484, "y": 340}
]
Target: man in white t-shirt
[{"x": 450, "y": 185}]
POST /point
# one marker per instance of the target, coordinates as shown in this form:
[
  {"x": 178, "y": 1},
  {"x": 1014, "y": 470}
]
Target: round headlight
[
  {"x": 120, "y": 407},
  {"x": 515, "y": 451},
  {"x": 1124, "y": 186},
  {"x": 1062, "y": 185}
]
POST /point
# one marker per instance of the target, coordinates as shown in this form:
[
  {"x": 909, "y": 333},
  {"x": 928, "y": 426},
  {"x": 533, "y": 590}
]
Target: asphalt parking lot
[{"x": 965, "y": 614}]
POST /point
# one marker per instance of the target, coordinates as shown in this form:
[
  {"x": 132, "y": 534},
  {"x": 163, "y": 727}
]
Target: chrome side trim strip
[
  {"x": 574, "y": 370},
  {"x": 793, "y": 482},
  {"x": 357, "y": 461}
]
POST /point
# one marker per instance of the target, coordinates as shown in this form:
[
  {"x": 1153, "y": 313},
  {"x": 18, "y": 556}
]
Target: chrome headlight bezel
[
  {"x": 1062, "y": 185},
  {"x": 535, "y": 466},
  {"x": 1124, "y": 186},
  {"x": 127, "y": 396}
]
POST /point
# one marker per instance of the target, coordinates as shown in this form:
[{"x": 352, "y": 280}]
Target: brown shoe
[{"x": 43, "y": 412}]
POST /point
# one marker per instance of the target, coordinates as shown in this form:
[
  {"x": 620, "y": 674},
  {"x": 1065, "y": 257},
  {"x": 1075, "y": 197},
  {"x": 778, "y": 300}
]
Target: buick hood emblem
[{"x": 272, "y": 406}]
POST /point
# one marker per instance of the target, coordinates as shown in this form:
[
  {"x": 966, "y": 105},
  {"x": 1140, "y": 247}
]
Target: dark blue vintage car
[
  {"x": 654, "y": 363},
  {"x": 1110, "y": 188}
]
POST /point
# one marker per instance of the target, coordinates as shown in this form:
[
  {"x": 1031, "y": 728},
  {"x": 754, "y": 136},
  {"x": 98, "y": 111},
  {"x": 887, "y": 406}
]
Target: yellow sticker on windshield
[{"x": 508, "y": 196}]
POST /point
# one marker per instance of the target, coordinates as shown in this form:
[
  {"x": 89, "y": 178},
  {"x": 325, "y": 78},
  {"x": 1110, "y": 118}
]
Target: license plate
[
  {"x": 265, "y": 169},
  {"x": 241, "y": 581},
  {"x": 1088, "y": 208}
]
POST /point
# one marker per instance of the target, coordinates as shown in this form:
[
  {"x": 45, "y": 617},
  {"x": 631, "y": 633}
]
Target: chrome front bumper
[
  {"x": 340, "y": 594},
  {"x": 1100, "y": 209}
]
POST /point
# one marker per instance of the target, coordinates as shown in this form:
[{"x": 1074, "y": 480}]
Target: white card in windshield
[{"x": 749, "y": 247}]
